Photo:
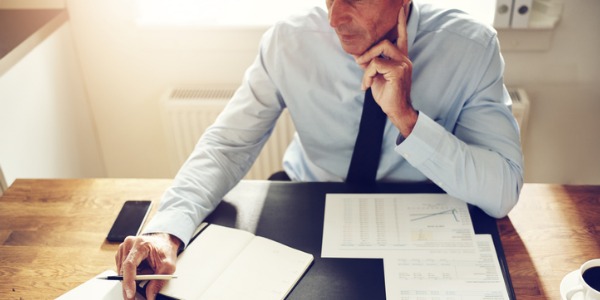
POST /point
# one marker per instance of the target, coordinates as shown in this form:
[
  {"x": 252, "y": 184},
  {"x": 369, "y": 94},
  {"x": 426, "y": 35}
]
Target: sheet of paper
[
  {"x": 374, "y": 225},
  {"x": 419, "y": 276},
  {"x": 264, "y": 270},
  {"x": 226, "y": 263},
  {"x": 202, "y": 262},
  {"x": 97, "y": 289}
]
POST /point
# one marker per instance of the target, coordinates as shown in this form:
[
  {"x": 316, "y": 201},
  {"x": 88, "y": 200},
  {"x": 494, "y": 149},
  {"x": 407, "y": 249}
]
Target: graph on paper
[{"x": 376, "y": 223}]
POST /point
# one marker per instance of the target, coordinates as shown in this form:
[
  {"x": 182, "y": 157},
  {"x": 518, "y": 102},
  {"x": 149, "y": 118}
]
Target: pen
[{"x": 142, "y": 277}]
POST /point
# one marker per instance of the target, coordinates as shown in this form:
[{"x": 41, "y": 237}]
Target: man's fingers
[
  {"x": 138, "y": 253},
  {"x": 153, "y": 287},
  {"x": 167, "y": 266},
  {"x": 122, "y": 252},
  {"x": 155, "y": 253},
  {"x": 384, "y": 49},
  {"x": 389, "y": 70},
  {"x": 378, "y": 66},
  {"x": 371, "y": 70},
  {"x": 402, "y": 42}
]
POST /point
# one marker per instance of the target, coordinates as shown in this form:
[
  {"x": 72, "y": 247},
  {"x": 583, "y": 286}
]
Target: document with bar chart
[
  {"x": 373, "y": 225},
  {"x": 427, "y": 243}
]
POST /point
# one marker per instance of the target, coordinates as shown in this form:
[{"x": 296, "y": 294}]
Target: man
[{"x": 436, "y": 74}]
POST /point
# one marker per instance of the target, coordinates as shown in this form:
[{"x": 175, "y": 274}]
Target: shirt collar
[{"x": 413, "y": 24}]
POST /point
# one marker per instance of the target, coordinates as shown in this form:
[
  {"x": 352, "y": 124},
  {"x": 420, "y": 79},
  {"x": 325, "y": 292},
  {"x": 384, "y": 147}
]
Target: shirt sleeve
[
  {"x": 481, "y": 161},
  {"x": 223, "y": 155}
]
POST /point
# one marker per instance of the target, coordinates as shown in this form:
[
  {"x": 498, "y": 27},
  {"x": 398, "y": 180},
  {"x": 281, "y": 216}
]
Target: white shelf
[{"x": 545, "y": 14}]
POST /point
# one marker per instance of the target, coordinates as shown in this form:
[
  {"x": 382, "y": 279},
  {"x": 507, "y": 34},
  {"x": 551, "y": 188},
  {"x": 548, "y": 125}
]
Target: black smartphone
[{"x": 130, "y": 220}]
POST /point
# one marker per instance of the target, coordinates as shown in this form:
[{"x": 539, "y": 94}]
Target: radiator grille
[
  {"x": 208, "y": 93},
  {"x": 188, "y": 112},
  {"x": 520, "y": 109}
]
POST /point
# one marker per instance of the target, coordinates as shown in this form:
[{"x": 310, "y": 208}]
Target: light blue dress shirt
[{"x": 466, "y": 140}]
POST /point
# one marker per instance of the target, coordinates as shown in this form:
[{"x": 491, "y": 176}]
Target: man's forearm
[{"x": 472, "y": 173}]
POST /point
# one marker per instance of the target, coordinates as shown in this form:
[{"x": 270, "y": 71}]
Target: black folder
[{"x": 293, "y": 214}]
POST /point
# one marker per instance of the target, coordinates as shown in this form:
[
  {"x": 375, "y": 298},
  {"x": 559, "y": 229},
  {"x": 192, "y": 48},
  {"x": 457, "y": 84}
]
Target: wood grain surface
[
  {"x": 52, "y": 233},
  {"x": 551, "y": 232}
]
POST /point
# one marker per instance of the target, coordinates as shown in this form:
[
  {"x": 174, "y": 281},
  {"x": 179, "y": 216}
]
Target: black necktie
[{"x": 367, "y": 149}]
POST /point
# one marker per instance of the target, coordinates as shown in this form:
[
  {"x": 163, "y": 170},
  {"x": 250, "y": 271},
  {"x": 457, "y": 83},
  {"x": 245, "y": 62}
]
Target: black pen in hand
[{"x": 142, "y": 277}]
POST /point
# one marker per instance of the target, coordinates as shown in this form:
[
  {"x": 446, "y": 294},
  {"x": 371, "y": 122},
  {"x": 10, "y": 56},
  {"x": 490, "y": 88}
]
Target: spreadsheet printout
[{"x": 373, "y": 225}]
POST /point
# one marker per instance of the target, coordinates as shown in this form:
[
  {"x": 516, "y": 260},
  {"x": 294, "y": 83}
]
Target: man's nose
[{"x": 338, "y": 13}]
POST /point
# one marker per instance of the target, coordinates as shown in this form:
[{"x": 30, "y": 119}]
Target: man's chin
[{"x": 353, "y": 49}]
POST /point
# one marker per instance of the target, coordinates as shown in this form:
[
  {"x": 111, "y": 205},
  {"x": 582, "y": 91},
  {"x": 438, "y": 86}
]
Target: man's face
[{"x": 361, "y": 23}]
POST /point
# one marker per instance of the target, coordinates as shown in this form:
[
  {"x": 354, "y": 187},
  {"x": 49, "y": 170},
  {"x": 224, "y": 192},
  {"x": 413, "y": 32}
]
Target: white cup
[{"x": 583, "y": 287}]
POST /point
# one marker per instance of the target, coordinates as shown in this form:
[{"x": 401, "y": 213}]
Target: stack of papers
[{"x": 427, "y": 243}]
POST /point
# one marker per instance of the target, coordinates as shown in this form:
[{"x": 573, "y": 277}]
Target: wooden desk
[
  {"x": 551, "y": 232},
  {"x": 52, "y": 233}
]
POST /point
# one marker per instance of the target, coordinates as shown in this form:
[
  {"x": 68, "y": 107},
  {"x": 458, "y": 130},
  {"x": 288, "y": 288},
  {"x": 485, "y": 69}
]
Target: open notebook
[
  {"x": 220, "y": 263},
  {"x": 227, "y": 263}
]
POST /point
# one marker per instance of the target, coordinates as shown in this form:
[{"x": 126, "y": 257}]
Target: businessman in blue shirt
[{"x": 437, "y": 74}]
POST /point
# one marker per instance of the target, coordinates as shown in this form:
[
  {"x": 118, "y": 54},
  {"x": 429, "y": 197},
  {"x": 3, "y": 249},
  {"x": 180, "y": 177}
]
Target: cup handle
[{"x": 574, "y": 290}]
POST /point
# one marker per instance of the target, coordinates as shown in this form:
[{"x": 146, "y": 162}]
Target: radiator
[
  {"x": 520, "y": 109},
  {"x": 188, "y": 112}
]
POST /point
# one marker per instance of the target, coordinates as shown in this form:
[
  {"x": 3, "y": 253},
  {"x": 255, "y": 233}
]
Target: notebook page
[
  {"x": 204, "y": 260},
  {"x": 265, "y": 270}
]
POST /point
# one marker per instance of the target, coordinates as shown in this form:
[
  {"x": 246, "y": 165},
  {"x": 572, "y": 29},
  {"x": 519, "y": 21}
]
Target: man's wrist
[
  {"x": 405, "y": 123},
  {"x": 174, "y": 241}
]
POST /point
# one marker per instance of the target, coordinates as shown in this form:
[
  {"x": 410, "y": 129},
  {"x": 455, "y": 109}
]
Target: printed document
[
  {"x": 427, "y": 243},
  {"x": 374, "y": 225},
  {"x": 433, "y": 277}
]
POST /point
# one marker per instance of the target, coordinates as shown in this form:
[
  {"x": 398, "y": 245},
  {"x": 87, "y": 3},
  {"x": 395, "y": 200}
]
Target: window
[{"x": 217, "y": 13}]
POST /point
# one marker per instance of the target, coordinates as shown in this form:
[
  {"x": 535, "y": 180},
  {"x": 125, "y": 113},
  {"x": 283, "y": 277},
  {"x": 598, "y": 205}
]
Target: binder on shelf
[
  {"x": 503, "y": 13},
  {"x": 521, "y": 13}
]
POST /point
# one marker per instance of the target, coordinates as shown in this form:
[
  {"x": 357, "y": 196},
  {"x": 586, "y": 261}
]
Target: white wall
[
  {"x": 563, "y": 138},
  {"x": 127, "y": 68},
  {"x": 46, "y": 127}
]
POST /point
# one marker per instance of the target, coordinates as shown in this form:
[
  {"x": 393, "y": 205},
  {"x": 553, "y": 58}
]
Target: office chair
[{"x": 3, "y": 186}]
